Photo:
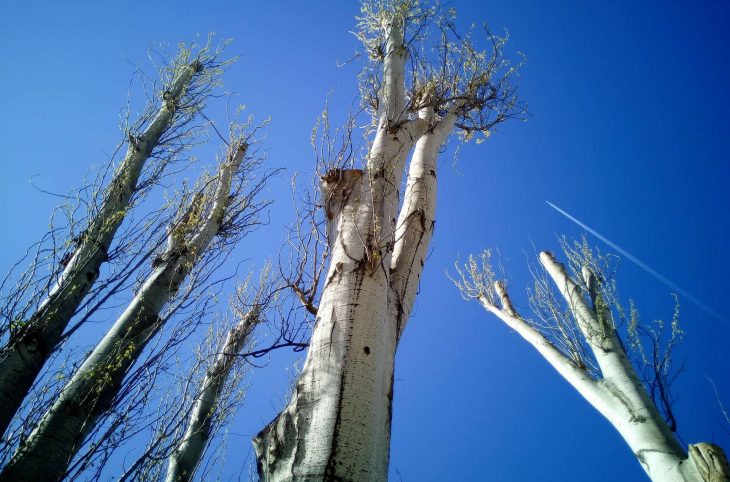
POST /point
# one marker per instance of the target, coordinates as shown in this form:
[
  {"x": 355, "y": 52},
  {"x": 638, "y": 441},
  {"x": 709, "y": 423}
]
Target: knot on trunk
[
  {"x": 135, "y": 142},
  {"x": 336, "y": 186},
  {"x": 196, "y": 66},
  {"x": 710, "y": 461}
]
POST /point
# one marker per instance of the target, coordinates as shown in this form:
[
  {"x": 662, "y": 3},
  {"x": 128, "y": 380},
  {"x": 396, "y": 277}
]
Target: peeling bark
[{"x": 710, "y": 462}]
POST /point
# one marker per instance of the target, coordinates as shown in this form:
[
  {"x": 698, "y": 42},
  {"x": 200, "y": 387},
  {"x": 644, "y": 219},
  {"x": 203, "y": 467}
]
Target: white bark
[
  {"x": 336, "y": 187},
  {"x": 187, "y": 455},
  {"x": 392, "y": 104},
  {"x": 91, "y": 391},
  {"x": 589, "y": 388},
  {"x": 619, "y": 394},
  {"x": 417, "y": 217},
  {"x": 337, "y": 424},
  {"x": 23, "y": 358},
  {"x": 630, "y": 410}
]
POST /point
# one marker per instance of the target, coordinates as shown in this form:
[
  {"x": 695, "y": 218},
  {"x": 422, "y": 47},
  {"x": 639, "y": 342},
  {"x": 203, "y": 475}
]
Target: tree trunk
[
  {"x": 417, "y": 217},
  {"x": 91, "y": 391},
  {"x": 22, "y": 359},
  {"x": 709, "y": 462},
  {"x": 337, "y": 424},
  {"x": 628, "y": 406},
  {"x": 619, "y": 394},
  {"x": 186, "y": 457}
]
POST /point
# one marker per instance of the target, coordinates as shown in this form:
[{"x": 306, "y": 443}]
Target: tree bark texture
[
  {"x": 337, "y": 424},
  {"x": 187, "y": 455}
]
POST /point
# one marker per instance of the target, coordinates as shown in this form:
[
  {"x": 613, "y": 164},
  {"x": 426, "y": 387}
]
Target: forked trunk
[{"x": 617, "y": 393}]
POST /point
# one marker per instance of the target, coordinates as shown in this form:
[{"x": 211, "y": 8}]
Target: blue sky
[{"x": 627, "y": 131}]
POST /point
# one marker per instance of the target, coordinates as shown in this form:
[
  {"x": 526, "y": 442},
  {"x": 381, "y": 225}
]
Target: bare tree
[
  {"x": 205, "y": 412},
  {"x": 222, "y": 208},
  {"x": 37, "y": 309},
  {"x": 337, "y": 424},
  {"x": 577, "y": 332},
  {"x": 195, "y": 411}
]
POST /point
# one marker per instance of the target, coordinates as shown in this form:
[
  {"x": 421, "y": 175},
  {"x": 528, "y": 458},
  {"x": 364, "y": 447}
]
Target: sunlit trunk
[
  {"x": 617, "y": 393},
  {"x": 626, "y": 403},
  {"x": 417, "y": 218},
  {"x": 337, "y": 424}
]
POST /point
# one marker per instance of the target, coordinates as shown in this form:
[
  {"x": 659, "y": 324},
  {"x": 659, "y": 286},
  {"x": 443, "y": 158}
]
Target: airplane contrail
[{"x": 671, "y": 284}]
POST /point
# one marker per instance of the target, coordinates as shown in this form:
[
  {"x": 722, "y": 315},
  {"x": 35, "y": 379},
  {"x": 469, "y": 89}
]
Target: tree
[
  {"x": 184, "y": 460},
  {"x": 181, "y": 389},
  {"x": 224, "y": 206},
  {"x": 37, "y": 311},
  {"x": 580, "y": 338},
  {"x": 337, "y": 424},
  {"x": 210, "y": 390}
]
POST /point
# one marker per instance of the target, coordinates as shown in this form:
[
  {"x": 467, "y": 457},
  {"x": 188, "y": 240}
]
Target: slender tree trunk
[
  {"x": 25, "y": 354},
  {"x": 91, "y": 391},
  {"x": 417, "y": 217},
  {"x": 187, "y": 455},
  {"x": 628, "y": 406},
  {"x": 618, "y": 394}
]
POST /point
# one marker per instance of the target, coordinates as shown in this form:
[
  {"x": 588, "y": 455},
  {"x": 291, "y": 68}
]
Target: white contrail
[{"x": 671, "y": 284}]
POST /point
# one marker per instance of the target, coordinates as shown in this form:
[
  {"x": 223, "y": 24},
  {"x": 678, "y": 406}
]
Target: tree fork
[{"x": 614, "y": 390}]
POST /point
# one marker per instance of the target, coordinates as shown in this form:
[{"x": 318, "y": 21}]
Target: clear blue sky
[{"x": 628, "y": 131}]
